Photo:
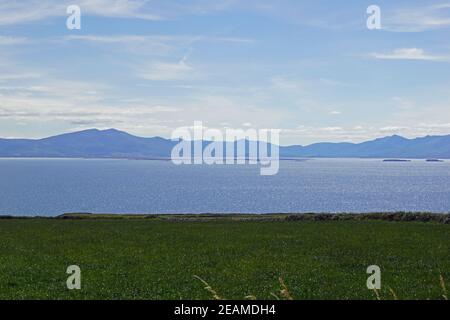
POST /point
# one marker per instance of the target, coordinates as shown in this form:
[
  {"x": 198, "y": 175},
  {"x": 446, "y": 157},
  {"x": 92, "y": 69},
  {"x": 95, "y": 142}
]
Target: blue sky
[{"x": 310, "y": 68}]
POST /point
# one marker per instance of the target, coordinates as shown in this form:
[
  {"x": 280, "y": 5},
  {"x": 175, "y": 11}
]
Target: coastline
[{"x": 443, "y": 218}]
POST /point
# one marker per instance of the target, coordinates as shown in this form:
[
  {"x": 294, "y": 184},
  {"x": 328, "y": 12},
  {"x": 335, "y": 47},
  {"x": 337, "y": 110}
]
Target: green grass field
[{"x": 158, "y": 259}]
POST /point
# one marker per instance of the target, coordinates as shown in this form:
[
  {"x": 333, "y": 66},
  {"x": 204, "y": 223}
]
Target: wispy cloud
[
  {"x": 26, "y": 11},
  {"x": 158, "y": 39},
  {"x": 121, "y": 39},
  {"x": 74, "y": 103},
  {"x": 152, "y": 44},
  {"x": 287, "y": 84},
  {"x": 410, "y": 54},
  {"x": 136, "y": 44},
  {"x": 363, "y": 133},
  {"x": 164, "y": 71},
  {"x": 417, "y": 19},
  {"x": 18, "y": 76},
  {"x": 6, "y": 41}
]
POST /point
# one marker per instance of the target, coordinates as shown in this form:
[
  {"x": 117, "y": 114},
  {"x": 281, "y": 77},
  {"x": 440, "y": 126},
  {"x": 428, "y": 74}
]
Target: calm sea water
[{"x": 53, "y": 186}]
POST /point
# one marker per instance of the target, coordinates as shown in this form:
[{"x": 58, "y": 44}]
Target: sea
[{"x": 50, "y": 187}]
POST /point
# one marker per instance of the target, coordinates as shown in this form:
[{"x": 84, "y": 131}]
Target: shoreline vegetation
[{"x": 443, "y": 218}]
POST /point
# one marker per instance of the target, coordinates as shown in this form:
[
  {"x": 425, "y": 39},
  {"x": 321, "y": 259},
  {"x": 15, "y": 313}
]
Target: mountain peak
[
  {"x": 394, "y": 138},
  {"x": 112, "y": 130}
]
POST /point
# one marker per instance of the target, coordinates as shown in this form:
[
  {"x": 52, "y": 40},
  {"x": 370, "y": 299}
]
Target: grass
[{"x": 160, "y": 258}]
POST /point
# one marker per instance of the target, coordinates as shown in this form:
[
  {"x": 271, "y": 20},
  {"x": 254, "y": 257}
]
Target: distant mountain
[
  {"x": 90, "y": 144},
  {"x": 388, "y": 147},
  {"x": 118, "y": 144}
]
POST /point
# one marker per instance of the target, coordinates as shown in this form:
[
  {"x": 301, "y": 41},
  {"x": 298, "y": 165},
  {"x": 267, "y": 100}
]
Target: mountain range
[{"x": 113, "y": 143}]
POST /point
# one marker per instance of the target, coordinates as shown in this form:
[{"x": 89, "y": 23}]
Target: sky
[{"x": 310, "y": 68}]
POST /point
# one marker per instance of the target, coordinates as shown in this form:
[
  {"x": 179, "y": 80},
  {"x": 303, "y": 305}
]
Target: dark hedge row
[{"x": 397, "y": 216}]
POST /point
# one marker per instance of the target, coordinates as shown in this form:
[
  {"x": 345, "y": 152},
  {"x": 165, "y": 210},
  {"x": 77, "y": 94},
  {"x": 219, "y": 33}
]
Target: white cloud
[
  {"x": 435, "y": 125},
  {"x": 156, "y": 39},
  {"x": 118, "y": 8},
  {"x": 18, "y": 76},
  {"x": 410, "y": 54},
  {"x": 87, "y": 105},
  {"x": 334, "y": 83},
  {"x": 361, "y": 133},
  {"x": 6, "y": 41},
  {"x": 331, "y": 129},
  {"x": 121, "y": 39},
  {"x": 402, "y": 103},
  {"x": 174, "y": 8},
  {"x": 162, "y": 45},
  {"x": 136, "y": 44},
  {"x": 25, "y": 11},
  {"x": 163, "y": 71},
  {"x": 287, "y": 84},
  {"x": 417, "y": 19},
  {"x": 391, "y": 129}
]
